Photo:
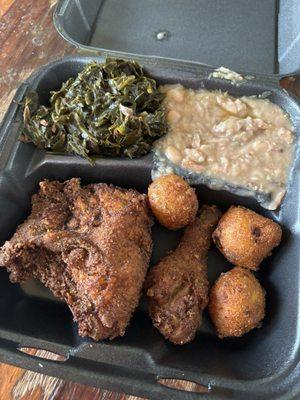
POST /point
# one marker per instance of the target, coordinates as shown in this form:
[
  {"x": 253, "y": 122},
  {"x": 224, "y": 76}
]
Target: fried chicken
[
  {"x": 177, "y": 287},
  {"x": 91, "y": 246}
]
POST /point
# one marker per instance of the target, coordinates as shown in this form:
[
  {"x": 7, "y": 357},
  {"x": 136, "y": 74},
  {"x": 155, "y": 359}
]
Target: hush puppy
[
  {"x": 172, "y": 201},
  {"x": 236, "y": 303},
  {"x": 245, "y": 238}
]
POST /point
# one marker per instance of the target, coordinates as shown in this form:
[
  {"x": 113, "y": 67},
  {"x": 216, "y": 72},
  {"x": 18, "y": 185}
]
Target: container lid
[{"x": 238, "y": 34}]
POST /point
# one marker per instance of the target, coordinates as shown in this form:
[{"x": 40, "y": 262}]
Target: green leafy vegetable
[{"x": 111, "y": 109}]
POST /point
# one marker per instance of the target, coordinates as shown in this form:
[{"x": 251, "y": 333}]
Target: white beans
[
  {"x": 173, "y": 154},
  {"x": 244, "y": 141},
  {"x": 173, "y": 117}
]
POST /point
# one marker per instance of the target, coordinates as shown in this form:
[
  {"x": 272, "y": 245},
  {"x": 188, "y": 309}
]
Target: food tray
[
  {"x": 262, "y": 364},
  {"x": 253, "y": 36}
]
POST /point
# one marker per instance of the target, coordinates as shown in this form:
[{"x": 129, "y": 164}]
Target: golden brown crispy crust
[
  {"x": 172, "y": 201},
  {"x": 245, "y": 238},
  {"x": 91, "y": 246},
  {"x": 177, "y": 287},
  {"x": 236, "y": 303}
]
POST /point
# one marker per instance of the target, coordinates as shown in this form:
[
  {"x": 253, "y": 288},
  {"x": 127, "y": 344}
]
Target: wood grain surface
[
  {"x": 19, "y": 384},
  {"x": 4, "y": 6},
  {"x": 28, "y": 40}
]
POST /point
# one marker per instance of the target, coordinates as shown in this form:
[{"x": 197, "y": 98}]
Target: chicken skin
[
  {"x": 177, "y": 287},
  {"x": 91, "y": 246}
]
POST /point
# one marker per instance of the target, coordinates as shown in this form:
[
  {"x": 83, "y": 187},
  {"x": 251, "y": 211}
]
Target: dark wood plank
[
  {"x": 19, "y": 384},
  {"x": 28, "y": 40}
]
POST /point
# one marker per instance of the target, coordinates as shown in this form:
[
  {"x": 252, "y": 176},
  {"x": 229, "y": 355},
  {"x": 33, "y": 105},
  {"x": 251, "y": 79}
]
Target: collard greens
[{"x": 111, "y": 109}]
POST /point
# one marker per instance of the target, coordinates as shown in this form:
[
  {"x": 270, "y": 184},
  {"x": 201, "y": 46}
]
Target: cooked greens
[{"x": 111, "y": 109}]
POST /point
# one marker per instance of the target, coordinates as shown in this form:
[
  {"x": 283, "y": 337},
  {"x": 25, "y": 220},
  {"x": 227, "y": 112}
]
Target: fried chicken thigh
[
  {"x": 177, "y": 287},
  {"x": 91, "y": 246}
]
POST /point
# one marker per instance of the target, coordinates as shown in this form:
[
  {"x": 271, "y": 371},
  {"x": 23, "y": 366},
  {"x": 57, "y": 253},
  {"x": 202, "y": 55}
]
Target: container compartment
[
  {"x": 253, "y": 36},
  {"x": 262, "y": 364}
]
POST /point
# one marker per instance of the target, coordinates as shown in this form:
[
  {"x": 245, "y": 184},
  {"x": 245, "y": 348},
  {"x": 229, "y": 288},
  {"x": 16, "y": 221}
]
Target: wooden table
[{"x": 28, "y": 40}]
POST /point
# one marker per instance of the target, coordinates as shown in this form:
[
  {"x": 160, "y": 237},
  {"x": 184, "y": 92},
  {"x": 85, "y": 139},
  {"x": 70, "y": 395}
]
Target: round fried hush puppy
[
  {"x": 236, "y": 303},
  {"x": 172, "y": 201},
  {"x": 245, "y": 238}
]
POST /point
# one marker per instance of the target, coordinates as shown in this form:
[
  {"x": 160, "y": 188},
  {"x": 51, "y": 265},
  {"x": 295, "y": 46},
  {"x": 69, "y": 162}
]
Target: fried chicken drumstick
[
  {"x": 91, "y": 246},
  {"x": 177, "y": 287}
]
